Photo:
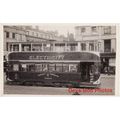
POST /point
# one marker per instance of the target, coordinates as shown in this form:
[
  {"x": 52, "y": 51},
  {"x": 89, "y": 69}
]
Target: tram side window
[
  {"x": 31, "y": 67},
  {"x": 65, "y": 68},
  {"x": 24, "y": 67},
  {"x": 72, "y": 67},
  {"x": 45, "y": 67},
  {"x": 51, "y": 67},
  {"x": 38, "y": 67},
  {"x": 15, "y": 67},
  {"x": 59, "y": 67}
]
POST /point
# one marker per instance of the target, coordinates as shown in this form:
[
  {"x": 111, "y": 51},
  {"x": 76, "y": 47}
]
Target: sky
[{"x": 62, "y": 28}]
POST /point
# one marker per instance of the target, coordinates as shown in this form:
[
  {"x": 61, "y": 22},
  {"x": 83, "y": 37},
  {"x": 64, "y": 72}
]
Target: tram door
[{"x": 84, "y": 69}]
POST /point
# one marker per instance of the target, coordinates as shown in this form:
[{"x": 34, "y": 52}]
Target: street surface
[{"x": 107, "y": 82}]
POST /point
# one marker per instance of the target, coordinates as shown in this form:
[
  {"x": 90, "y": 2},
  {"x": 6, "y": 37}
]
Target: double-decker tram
[{"x": 76, "y": 69}]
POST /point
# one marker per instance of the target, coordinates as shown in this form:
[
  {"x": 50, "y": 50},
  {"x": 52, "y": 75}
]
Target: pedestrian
[
  {"x": 105, "y": 70},
  {"x": 108, "y": 70}
]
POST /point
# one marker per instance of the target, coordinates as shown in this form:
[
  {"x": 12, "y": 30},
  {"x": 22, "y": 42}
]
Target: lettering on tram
[
  {"x": 59, "y": 57},
  {"x": 64, "y": 71}
]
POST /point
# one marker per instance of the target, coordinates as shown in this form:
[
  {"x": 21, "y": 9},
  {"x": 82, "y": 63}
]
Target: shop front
[{"x": 108, "y": 63}]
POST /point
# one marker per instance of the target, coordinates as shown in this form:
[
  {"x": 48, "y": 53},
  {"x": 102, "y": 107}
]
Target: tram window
[
  {"x": 24, "y": 67},
  {"x": 91, "y": 69},
  {"x": 94, "y": 69},
  {"x": 31, "y": 67},
  {"x": 37, "y": 47},
  {"x": 83, "y": 46},
  {"x": 38, "y": 67},
  {"x": 47, "y": 47},
  {"x": 15, "y": 47},
  {"x": 59, "y": 67},
  {"x": 51, "y": 67},
  {"x": 7, "y": 34},
  {"x": 65, "y": 68},
  {"x": 73, "y": 67},
  {"x": 15, "y": 67},
  {"x": 72, "y": 47},
  {"x": 45, "y": 67},
  {"x": 26, "y": 47},
  {"x": 59, "y": 47}
]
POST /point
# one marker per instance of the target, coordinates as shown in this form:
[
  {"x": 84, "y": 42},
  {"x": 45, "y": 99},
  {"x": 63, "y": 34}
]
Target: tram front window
[
  {"x": 89, "y": 71},
  {"x": 94, "y": 69},
  {"x": 84, "y": 69}
]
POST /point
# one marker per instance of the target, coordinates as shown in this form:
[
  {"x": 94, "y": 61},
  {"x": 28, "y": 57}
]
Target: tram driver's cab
[{"x": 89, "y": 72}]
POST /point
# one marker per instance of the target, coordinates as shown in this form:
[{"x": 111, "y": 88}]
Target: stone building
[{"x": 101, "y": 39}]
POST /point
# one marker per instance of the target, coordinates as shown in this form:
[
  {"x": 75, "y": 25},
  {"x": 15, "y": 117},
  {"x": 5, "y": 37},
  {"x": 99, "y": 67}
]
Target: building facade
[
  {"x": 21, "y": 38},
  {"x": 101, "y": 39}
]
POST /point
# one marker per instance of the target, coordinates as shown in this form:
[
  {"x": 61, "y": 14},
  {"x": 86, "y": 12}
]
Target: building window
[
  {"x": 83, "y": 29},
  {"x": 83, "y": 46},
  {"x": 7, "y": 34},
  {"x": 99, "y": 47},
  {"x": 72, "y": 47},
  {"x": 15, "y": 47},
  {"x": 94, "y": 29},
  {"x": 37, "y": 47},
  {"x": 33, "y": 33},
  {"x": 13, "y": 35},
  {"x": 107, "y": 45},
  {"x": 59, "y": 47},
  {"x": 26, "y": 47},
  {"x": 36, "y": 34},
  {"x": 107, "y": 30},
  {"x": 91, "y": 46}
]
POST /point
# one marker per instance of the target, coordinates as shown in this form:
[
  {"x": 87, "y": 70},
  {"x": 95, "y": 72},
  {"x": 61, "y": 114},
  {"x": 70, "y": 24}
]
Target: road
[{"x": 107, "y": 88}]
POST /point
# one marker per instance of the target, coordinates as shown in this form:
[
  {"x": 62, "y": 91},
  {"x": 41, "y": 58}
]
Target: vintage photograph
[{"x": 59, "y": 59}]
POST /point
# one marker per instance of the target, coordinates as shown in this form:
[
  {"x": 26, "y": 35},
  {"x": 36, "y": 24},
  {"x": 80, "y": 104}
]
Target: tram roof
[{"x": 57, "y": 56}]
